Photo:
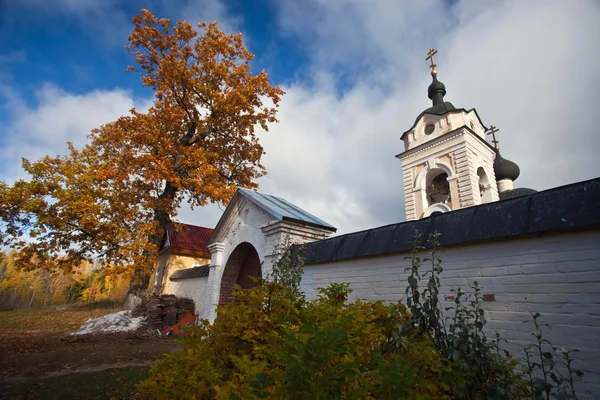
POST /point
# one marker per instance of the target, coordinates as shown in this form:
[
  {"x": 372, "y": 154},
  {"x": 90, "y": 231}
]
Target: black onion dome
[
  {"x": 505, "y": 169},
  {"x": 436, "y": 92},
  {"x": 436, "y": 87}
]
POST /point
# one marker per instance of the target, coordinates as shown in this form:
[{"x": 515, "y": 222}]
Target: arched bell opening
[
  {"x": 242, "y": 265},
  {"x": 437, "y": 187},
  {"x": 485, "y": 187}
]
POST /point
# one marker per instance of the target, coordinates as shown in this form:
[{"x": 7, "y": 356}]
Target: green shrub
[{"x": 271, "y": 343}]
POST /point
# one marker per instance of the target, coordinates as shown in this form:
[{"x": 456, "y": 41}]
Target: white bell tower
[{"x": 447, "y": 164}]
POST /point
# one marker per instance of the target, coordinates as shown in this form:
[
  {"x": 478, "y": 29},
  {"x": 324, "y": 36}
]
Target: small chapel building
[
  {"x": 182, "y": 253},
  {"x": 530, "y": 251}
]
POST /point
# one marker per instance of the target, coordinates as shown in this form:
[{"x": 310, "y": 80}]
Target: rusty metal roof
[{"x": 185, "y": 237}]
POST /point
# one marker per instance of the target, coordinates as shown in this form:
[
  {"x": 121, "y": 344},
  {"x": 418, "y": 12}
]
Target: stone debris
[
  {"x": 164, "y": 311},
  {"x": 122, "y": 321}
]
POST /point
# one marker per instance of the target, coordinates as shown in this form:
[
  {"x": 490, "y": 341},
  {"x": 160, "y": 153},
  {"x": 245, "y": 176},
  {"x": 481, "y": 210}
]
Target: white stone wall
[
  {"x": 192, "y": 288},
  {"x": 244, "y": 221},
  {"x": 241, "y": 224},
  {"x": 557, "y": 275}
]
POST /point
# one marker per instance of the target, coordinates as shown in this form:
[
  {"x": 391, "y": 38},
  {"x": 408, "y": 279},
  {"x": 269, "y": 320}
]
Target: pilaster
[{"x": 213, "y": 286}]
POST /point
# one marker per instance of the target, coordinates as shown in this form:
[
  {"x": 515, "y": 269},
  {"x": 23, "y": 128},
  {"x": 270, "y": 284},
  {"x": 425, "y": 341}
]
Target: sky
[{"x": 355, "y": 78}]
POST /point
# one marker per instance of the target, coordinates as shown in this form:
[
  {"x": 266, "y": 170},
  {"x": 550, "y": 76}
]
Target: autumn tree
[{"x": 111, "y": 200}]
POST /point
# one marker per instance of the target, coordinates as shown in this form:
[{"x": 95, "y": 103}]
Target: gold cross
[
  {"x": 492, "y": 131},
  {"x": 430, "y": 55}
]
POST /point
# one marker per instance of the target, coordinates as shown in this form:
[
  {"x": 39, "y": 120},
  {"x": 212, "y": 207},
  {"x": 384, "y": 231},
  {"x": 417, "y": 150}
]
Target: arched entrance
[{"x": 242, "y": 264}]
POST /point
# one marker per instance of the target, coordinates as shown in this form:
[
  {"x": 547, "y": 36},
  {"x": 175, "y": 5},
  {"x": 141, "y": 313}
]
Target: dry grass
[{"x": 32, "y": 322}]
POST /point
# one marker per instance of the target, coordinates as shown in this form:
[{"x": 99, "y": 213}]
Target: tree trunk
[{"x": 141, "y": 277}]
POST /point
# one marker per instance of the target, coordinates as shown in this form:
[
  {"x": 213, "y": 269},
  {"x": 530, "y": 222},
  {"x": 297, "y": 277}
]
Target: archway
[
  {"x": 485, "y": 188},
  {"x": 243, "y": 263}
]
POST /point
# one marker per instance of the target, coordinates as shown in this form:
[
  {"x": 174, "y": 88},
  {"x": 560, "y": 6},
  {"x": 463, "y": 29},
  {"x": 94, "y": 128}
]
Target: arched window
[
  {"x": 437, "y": 187},
  {"x": 485, "y": 189}
]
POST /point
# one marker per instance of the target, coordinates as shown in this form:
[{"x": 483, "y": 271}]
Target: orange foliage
[{"x": 112, "y": 199}]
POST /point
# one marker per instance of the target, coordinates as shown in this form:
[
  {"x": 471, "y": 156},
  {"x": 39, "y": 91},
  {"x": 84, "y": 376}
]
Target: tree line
[{"x": 39, "y": 287}]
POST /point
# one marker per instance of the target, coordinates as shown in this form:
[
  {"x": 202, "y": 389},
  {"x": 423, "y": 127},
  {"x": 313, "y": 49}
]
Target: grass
[
  {"x": 32, "y": 321},
  {"x": 108, "y": 384}
]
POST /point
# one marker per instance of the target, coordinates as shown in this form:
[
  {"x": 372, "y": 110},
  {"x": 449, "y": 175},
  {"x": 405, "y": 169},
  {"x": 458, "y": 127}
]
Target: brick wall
[
  {"x": 557, "y": 275},
  {"x": 241, "y": 256}
]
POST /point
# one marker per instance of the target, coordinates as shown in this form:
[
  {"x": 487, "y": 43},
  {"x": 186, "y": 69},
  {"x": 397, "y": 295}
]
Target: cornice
[{"x": 432, "y": 143}]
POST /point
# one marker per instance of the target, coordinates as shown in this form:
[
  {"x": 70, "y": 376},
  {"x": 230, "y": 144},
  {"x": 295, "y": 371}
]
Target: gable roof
[
  {"x": 565, "y": 207},
  {"x": 283, "y": 210},
  {"x": 278, "y": 208},
  {"x": 185, "y": 237}
]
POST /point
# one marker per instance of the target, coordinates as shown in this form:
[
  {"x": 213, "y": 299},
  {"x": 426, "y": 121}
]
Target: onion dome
[
  {"x": 436, "y": 92},
  {"x": 505, "y": 169}
]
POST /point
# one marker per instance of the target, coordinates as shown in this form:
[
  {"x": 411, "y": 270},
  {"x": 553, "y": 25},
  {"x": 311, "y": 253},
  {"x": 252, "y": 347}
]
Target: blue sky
[
  {"x": 45, "y": 44},
  {"x": 355, "y": 77}
]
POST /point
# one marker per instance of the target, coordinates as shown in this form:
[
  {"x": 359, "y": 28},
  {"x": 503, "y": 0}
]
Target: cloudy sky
[{"x": 355, "y": 77}]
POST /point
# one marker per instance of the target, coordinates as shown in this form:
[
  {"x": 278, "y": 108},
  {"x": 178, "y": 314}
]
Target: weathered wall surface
[
  {"x": 557, "y": 275},
  {"x": 192, "y": 288},
  {"x": 168, "y": 263}
]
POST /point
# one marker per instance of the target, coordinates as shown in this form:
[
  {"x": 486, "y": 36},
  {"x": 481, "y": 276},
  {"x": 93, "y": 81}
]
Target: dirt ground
[
  {"x": 62, "y": 353},
  {"x": 36, "y": 345}
]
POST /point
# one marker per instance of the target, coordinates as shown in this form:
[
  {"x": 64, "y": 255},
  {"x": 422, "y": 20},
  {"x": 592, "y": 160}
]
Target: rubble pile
[
  {"x": 166, "y": 310},
  {"x": 122, "y": 321}
]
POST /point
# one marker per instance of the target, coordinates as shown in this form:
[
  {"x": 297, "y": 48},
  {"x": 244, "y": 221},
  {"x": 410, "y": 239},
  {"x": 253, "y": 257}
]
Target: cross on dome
[
  {"x": 430, "y": 55},
  {"x": 492, "y": 131}
]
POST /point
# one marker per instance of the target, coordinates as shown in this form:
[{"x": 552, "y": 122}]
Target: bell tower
[{"x": 447, "y": 164}]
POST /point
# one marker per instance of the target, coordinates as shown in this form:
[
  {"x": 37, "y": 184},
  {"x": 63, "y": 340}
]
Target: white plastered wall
[
  {"x": 191, "y": 288},
  {"x": 246, "y": 222},
  {"x": 557, "y": 275}
]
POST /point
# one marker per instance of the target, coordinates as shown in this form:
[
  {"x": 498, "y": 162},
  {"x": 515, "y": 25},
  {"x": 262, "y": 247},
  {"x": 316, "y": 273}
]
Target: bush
[{"x": 271, "y": 343}]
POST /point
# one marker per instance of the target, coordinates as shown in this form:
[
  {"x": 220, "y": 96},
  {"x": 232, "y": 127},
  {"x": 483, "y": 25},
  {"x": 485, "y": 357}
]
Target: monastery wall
[
  {"x": 557, "y": 275},
  {"x": 191, "y": 288}
]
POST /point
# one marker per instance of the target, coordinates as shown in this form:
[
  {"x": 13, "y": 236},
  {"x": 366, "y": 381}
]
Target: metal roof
[
  {"x": 283, "y": 209},
  {"x": 196, "y": 272},
  {"x": 184, "y": 237},
  {"x": 566, "y": 207}
]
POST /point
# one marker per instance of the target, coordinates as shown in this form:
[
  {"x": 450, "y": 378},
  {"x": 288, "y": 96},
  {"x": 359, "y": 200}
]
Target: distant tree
[{"x": 112, "y": 199}]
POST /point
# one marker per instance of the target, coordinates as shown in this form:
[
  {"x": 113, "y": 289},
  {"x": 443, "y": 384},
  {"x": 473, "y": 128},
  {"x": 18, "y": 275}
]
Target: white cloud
[
  {"x": 531, "y": 70},
  {"x": 57, "y": 117},
  {"x": 195, "y": 11}
]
